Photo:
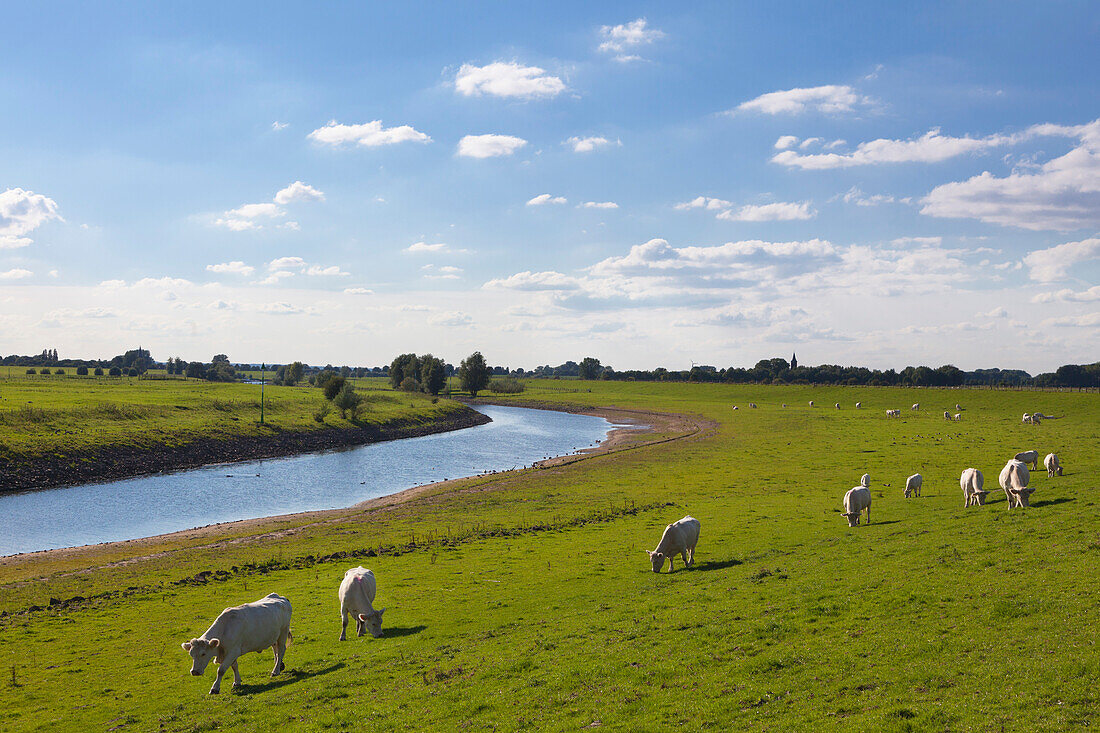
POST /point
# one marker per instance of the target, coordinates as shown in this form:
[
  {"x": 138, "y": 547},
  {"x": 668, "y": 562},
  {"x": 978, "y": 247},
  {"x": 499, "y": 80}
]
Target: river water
[{"x": 168, "y": 502}]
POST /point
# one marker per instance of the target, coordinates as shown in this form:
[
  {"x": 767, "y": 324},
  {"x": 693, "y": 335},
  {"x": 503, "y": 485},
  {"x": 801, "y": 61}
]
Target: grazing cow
[
  {"x": 811, "y": 403},
  {"x": 893, "y": 413},
  {"x": 236, "y": 631},
  {"x": 784, "y": 404},
  {"x": 859, "y": 405},
  {"x": 837, "y": 405},
  {"x": 735, "y": 407},
  {"x": 971, "y": 481},
  {"x": 855, "y": 501},
  {"x": 1054, "y": 467},
  {"x": 912, "y": 485},
  {"x": 957, "y": 406},
  {"x": 916, "y": 406},
  {"x": 865, "y": 480},
  {"x": 752, "y": 405},
  {"x": 1013, "y": 479},
  {"x": 1029, "y": 456},
  {"x": 357, "y": 591},
  {"x": 946, "y": 415},
  {"x": 680, "y": 537},
  {"x": 958, "y": 416},
  {"x": 1027, "y": 418}
]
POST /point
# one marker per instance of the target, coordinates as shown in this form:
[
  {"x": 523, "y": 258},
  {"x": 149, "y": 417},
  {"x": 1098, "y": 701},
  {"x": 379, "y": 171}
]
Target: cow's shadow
[
  {"x": 878, "y": 523},
  {"x": 399, "y": 631},
  {"x": 1052, "y": 502},
  {"x": 286, "y": 677},
  {"x": 716, "y": 564}
]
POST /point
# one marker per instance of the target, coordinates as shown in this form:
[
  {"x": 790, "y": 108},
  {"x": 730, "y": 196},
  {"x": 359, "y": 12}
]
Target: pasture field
[
  {"x": 66, "y": 414},
  {"x": 525, "y": 601}
]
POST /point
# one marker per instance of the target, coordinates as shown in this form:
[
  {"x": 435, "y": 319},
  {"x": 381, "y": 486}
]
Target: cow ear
[
  {"x": 649, "y": 552},
  {"x": 381, "y": 612},
  {"x": 214, "y": 642},
  {"x": 186, "y": 646}
]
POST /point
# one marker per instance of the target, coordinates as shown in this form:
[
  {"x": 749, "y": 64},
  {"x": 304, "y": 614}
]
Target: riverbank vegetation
[{"x": 524, "y": 600}]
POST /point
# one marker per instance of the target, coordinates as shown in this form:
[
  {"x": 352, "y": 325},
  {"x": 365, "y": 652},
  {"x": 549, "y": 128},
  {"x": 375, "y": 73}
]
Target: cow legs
[
  {"x": 236, "y": 675},
  {"x": 360, "y": 625},
  {"x": 670, "y": 562},
  {"x": 280, "y": 651},
  {"x": 684, "y": 555},
  {"x": 344, "y": 625},
  {"x": 225, "y": 663},
  {"x": 691, "y": 550},
  {"x": 868, "y": 515}
]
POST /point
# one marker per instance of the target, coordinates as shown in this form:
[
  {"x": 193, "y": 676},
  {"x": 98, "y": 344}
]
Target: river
[{"x": 169, "y": 502}]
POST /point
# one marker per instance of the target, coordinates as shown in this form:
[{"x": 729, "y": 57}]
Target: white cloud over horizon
[
  {"x": 369, "y": 135},
  {"x": 489, "y": 146},
  {"x": 620, "y": 39},
  {"x": 21, "y": 212},
  {"x": 508, "y": 79},
  {"x": 828, "y": 99},
  {"x": 588, "y": 144},
  {"x": 544, "y": 198}
]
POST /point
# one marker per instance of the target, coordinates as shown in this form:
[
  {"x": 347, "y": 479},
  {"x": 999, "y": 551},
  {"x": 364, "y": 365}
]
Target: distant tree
[
  {"x": 347, "y": 399},
  {"x": 116, "y": 372},
  {"x": 133, "y": 372},
  {"x": 195, "y": 370},
  {"x": 320, "y": 379},
  {"x": 432, "y": 374},
  {"x": 406, "y": 365},
  {"x": 589, "y": 368},
  {"x": 58, "y": 371},
  {"x": 473, "y": 373},
  {"x": 333, "y": 385},
  {"x": 98, "y": 371},
  {"x": 409, "y": 385},
  {"x": 220, "y": 359},
  {"x": 31, "y": 371},
  {"x": 44, "y": 370},
  {"x": 294, "y": 372}
]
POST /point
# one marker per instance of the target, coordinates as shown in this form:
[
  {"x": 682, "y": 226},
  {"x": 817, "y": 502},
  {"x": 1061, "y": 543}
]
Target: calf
[
  {"x": 971, "y": 481},
  {"x": 679, "y": 537},
  {"x": 855, "y": 501},
  {"x": 1030, "y": 457},
  {"x": 1054, "y": 467},
  {"x": 251, "y": 627},
  {"x": 357, "y": 591},
  {"x": 1014, "y": 478},
  {"x": 912, "y": 485}
]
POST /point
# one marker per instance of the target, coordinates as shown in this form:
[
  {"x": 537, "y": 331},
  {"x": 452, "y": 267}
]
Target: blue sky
[{"x": 647, "y": 184}]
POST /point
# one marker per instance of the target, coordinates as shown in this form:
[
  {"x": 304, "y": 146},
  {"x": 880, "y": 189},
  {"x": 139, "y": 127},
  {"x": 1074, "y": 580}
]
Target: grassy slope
[
  {"x": 931, "y": 618},
  {"x": 68, "y": 414}
]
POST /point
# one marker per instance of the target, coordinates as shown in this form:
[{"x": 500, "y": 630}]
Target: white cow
[
  {"x": 1054, "y": 467},
  {"x": 735, "y": 407},
  {"x": 912, "y": 485},
  {"x": 865, "y": 480},
  {"x": 1030, "y": 457},
  {"x": 236, "y": 631},
  {"x": 837, "y": 405},
  {"x": 893, "y": 413},
  {"x": 680, "y": 537},
  {"x": 916, "y": 406},
  {"x": 971, "y": 481},
  {"x": 357, "y": 591},
  {"x": 1014, "y": 478},
  {"x": 958, "y": 406},
  {"x": 958, "y": 416},
  {"x": 752, "y": 405},
  {"x": 855, "y": 501},
  {"x": 859, "y": 405},
  {"x": 1027, "y": 418},
  {"x": 946, "y": 415},
  {"x": 811, "y": 403}
]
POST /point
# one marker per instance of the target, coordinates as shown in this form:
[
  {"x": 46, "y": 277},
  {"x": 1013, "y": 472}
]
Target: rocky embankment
[{"x": 119, "y": 462}]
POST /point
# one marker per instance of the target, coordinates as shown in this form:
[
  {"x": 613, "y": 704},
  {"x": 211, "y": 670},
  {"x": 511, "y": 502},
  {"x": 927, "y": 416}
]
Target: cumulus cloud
[
  {"x": 425, "y": 248},
  {"x": 489, "y": 146},
  {"x": 588, "y": 144},
  {"x": 276, "y": 125},
  {"x": 447, "y": 272},
  {"x": 282, "y": 263},
  {"x": 358, "y": 291},
  {"x": 931, "y": 147},
  {"x": 507, "y": 79},
  {"x": 17, "y": 273},
  {"x": 236, "y": 268},
  {"x": 830, "y": 99},
  {"x": 298, "y": 191},
  {"x": 786, "y": 141},
  {"x": 781, "y": 211},
  {"x": 599, "y": 205},
  {"x": 998, "y": 312},
  {"x": 855, "y": 196},
  {"x": 370, "y": 134},
  {"x": 703, "y": 202},
  {"x": 451, "y": 318},
  {"x": 545, "y": 198},
  {"x": 1086, "y": 320},
  {"x": 331, "y": 271},
  {"x": 21, "y": 212},
  {"x": 619, "y": 39},
  {"x": 1069, "y": 296},
  {"x": 533, "y": 281},
  {"x": 1055, "y": 263}
]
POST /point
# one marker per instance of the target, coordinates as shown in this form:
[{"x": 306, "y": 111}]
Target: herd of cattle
[{"x": 263, "y": 624}]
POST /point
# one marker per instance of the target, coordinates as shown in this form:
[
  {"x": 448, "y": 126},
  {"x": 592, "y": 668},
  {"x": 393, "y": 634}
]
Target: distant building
[{"x": 794, "y": 361}]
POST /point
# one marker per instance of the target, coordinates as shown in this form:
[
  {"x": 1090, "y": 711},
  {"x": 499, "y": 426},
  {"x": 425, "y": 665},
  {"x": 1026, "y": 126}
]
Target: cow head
[
  {"x": 979, "y": 497},
  {"x": 852, "y": 517},
  {"x": 1058, "y": 470},
  {"x": 657, "y": 559},
  {"x": 202, "y": 652},
  {"x": 1022, "y": 496},
  {"x": 373, "y": 623}
]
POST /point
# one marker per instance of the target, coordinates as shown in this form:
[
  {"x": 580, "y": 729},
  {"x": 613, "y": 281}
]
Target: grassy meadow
[{"x": 525, "y": 601}]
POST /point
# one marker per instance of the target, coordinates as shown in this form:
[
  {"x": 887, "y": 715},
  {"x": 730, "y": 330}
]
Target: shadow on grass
[
  {"x": 398, "y": 631},
  {"x": 877, "y": 523},
  {"x": 1052, "y": 502},
  {"x": 286, "y": 677},
  {"x": 716, "y": 565}
]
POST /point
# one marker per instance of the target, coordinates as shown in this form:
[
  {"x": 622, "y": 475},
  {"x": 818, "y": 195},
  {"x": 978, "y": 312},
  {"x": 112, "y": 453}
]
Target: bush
[
  {"x": 82, "y": 371},
  {"x": 348, "y": 399},
  {"x": 506, "y": 385},
  {"x": 332, "y": 386},
  {"x": 31, "y": 371},
  {"x": 115, "y": 372},
  {"x": 58, "y": 371},
  {"x": 99, "y": 371},
  {"x": 408, "y": 384},
  {"x": 133, "y": 372},
  {"x": 44, "y": 370},
  {"x": 322, "y": 413}
]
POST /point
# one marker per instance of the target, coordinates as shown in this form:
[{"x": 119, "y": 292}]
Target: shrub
[
  {"x": 348, "y": 399},
  {"x": 44, "y": 370},
  {"x": 408, "y": 384},
  {"x": 58, "y": 371},
  {"x": 322, "y": 413},
  {"x": 506, "y": 385},
  {"x": 82, "y": 371},
  {"x": 115, "y": 372},
  {"x": 133, "y": 372},
  {"x": 99, "y": 371},
  {"x": 31, "y": 371},
  {"x": 332, "y": 386}
]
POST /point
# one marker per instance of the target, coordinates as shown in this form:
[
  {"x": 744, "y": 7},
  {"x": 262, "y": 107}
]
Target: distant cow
[
  {"x": 958, "y": 416},
  {"x": 356, "y": 598},
  {"x": 251, "y": 627},
  {"x": 837, "y": 405},
  {"x": 893, "y": 413},
  {"x": 1030, "y": 457},
  {"x": 680, "y": 537},
  {"x": 855, "y": 501},
  {"x": 752, "y": 405},
  {"x": 811, "y": 403},
  {"x": 912, "y": 485},
  {"x": 946, "y": 415},
  {"x": 1014, "y": 479},
  {"x": 916, "y": 406},
  {"x": 865, "y": 480},
  {"x": 859, "y": 405},
  {"x": 971, "y": 483},
  {"x": 1054, "y": 467}
]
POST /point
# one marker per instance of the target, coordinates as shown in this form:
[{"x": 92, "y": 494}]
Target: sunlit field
[{"x": 525, "y": 600}]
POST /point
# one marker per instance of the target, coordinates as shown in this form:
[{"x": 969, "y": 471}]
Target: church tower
[{"x": 794, "y": 361}]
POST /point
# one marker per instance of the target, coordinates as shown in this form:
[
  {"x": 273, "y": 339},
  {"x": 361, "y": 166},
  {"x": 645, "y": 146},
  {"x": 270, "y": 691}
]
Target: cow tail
[{"x": 289, "y": 637}]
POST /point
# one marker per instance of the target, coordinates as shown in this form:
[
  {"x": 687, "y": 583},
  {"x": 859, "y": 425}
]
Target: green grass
[{"x": 525, "y": 601}]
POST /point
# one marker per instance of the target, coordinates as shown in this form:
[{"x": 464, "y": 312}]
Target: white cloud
[
  {"x": 425, "y": 248},
  {"x": 507, "y": 79},
  {"x": 588, "y": 144},
  {"x": 786, "y": 141},
  {"x": 528, "y": 280},
  {"x": 922, "y": 241},
  {"x": 1062, "y": 194},
  {"x": 255, "y": 211},
  {"x": 451, "y": 318},
  {"x": 599, "y": 205},
  {"x": 291, "y": 225},
  {"x": 1069, "y": 296},
  {"x": 17, "y": 273},
  {"x": 358, "y": 291},
  {"x": 370, "y": 134},
  {"x": 298, "y": 191},
  {"x": 545, "y": 198},
  {"x": 781, "y": 211},
  {"x": 282, "y": 263},
  {"x": 932, "y": 147},
  {"x": 1049, "y": 265},
  {"x": 283, "y": 309},
  {"x": 857, "y": 197},
  {"x": 829, "y": 99},
  {"x": 447, "y": 272},
  {"x": 1087, "y": 320},
  {"x": 276, "y": 125},
  {"x": 21, "y": 212},
  {"x": 618, "y": 39},
  {"x": 489, "y": 146},
  {"x": 236, "y": 267},
  {"x": 275, "y": 277},
  {"x": 703, "y": 202},
  {"x": 998, "y": 312},
  {"x": 332, "y": 271}
]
